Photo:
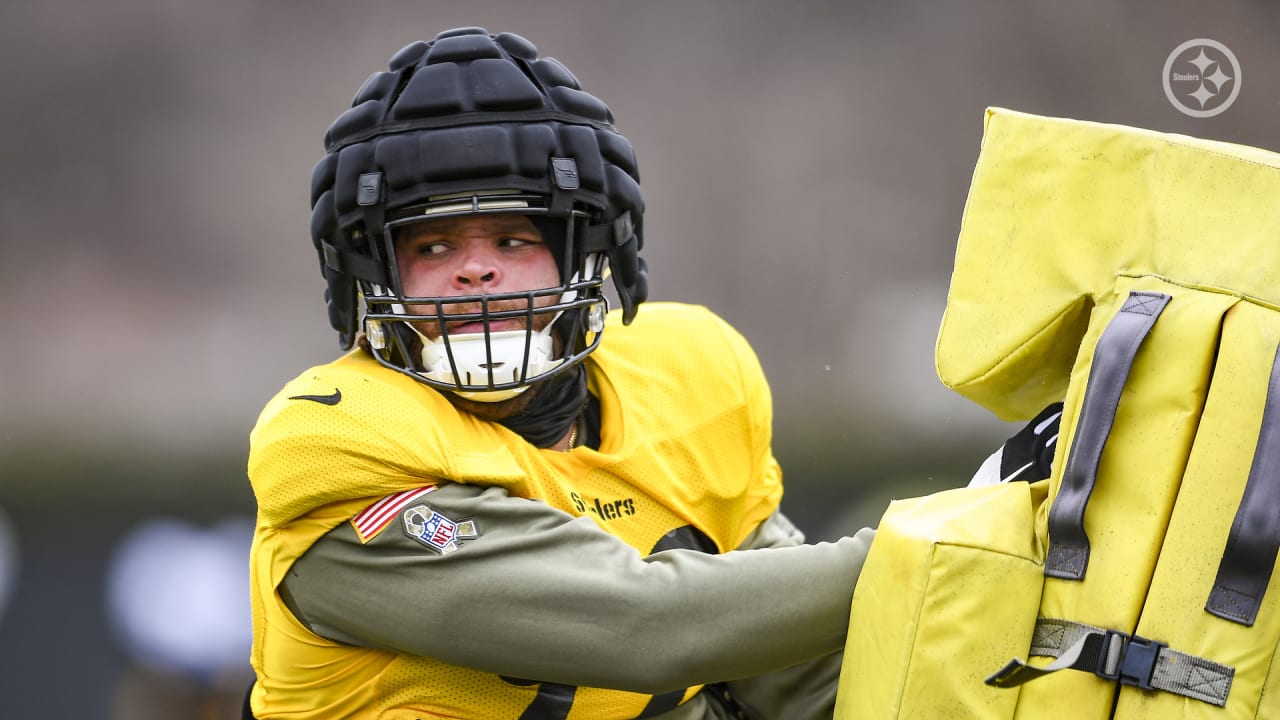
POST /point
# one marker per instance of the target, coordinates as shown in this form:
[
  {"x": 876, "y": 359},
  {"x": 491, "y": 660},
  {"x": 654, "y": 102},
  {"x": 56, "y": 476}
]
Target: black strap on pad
[
  {"x": 1252, "y": 546},
  {"x": 1068, "y": 555}
]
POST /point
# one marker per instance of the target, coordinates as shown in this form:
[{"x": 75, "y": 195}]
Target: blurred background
[{"x": 804, "y": 163}]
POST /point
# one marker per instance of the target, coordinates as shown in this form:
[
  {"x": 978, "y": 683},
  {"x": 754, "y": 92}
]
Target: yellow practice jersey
[{"x": 685, "y": 441}]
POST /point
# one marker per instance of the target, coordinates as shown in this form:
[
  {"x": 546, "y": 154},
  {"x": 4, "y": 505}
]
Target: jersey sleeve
[
  {"x": 805, "y": 691},
  {"x": 520, "y": 589}
]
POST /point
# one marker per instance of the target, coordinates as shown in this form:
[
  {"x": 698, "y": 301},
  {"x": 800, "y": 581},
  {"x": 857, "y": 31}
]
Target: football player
[{"x": 507, "y": 501}]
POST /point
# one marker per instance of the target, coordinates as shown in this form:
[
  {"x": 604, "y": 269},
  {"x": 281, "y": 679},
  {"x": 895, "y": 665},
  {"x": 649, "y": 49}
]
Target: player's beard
[
  {"x": 430, "y": 327},
  {"x": 495, "y": 411}
]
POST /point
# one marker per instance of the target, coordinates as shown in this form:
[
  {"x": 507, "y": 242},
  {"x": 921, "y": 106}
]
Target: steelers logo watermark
[{"x": 1202, "y": 78}]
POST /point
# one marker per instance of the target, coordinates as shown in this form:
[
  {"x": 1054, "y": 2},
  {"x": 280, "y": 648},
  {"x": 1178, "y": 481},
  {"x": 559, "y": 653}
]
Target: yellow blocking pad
[
  {"x": 1137, "y": 482},
  {"x": 926, "y": 626},
  {"x": 1210, "y": 493},
  {"x": 1063, "y": 220},
  {"x": 1058, "y": 209}
]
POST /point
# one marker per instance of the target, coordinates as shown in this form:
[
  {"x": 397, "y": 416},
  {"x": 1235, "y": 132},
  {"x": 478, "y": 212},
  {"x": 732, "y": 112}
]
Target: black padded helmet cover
[{"x": 471, "y": 112}]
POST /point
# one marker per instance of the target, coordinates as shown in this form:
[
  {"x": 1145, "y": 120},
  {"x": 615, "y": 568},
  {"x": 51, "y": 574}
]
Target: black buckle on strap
[{"x": 1136, "y": 661}]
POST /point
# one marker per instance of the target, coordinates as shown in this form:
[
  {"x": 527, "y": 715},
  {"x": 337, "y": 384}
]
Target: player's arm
[
  {"x": 541, "y": 595},
  {"x": 798, "y": 692}
]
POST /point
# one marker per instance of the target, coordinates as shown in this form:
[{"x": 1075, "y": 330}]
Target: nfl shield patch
[{"x": 436, "y": 531}]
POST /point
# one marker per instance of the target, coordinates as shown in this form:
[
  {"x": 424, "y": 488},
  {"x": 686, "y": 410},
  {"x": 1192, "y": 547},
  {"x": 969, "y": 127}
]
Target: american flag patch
[{"x": 375, "y": 518}]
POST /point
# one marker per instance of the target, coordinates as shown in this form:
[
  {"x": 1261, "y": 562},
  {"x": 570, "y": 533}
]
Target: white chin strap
[{"x": 474, "y": 360}]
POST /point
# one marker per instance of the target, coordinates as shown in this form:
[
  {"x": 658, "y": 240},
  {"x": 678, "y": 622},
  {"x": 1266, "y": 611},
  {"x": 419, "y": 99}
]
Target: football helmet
[{"x": 469, "y": 124}]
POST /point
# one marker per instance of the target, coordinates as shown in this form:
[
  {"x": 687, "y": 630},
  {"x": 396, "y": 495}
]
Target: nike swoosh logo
[{"x": 333, "y": 399}]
